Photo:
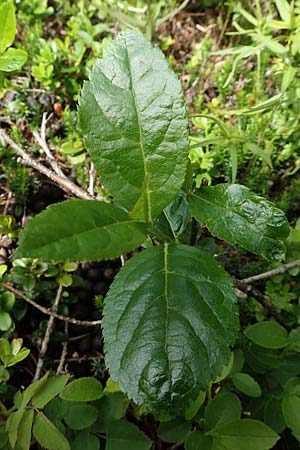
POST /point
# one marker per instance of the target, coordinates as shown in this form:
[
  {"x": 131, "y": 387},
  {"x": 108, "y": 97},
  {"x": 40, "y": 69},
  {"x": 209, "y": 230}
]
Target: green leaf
[
  {"x": 244, "y": 434},
  {"x": 8, "y": 25},
  {"x": 194, "y": 406},
  {"x": 86, "y": 441},
  {"x": 293, "y": 386},
  {"x": 178, "y": 214},
  {"x": 173, "y": 431},
  {"x": 237, "y": 215},
  {"x": 273, "y": 416},
  {"x": 24, "y": 430},
  {"x": 47, "y": 435},
  {"x": 284, "y": 10},
  {"x": 32, "y": 389},
  {"x": 52, "y": 387},
  {"x": 268, "y": 334},
  {"x": 79, "y": 417},
  {"x": 5, "y": 321},
  {"x": 169, "y": 318},
  {"x": 80, "y": 229},
  {"x": 12, "y": 426},
  {"x": 224, "y": 407},
  {"x": 83, "y": 389},
  {"x": 290, "y": 410},
  {"x": 12, "y": 59},
  {"x": 135, "y": 127},
  {"x": 198, "y": 441},
  {"x": 111, "y": 407},
  {"x": 123, "y": 436},
  {"x": 246, "y": 384}
]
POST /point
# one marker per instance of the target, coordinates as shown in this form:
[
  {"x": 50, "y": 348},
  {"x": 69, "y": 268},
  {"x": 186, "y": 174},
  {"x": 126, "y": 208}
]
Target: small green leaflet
[
  {"x": 123, "y": 435},
  {"x": 85, "y": 389},
  {"x": 134, "y": 123},
  {"x": 268, "y": 334},
  {"x": 224, "y": 407},
  {"x": 244, "y": 434},
  {"x": 80, "y": 229},
  {"x": 12, "y": 59},
  {"x": 246, "y": 384},
  {"x": 52, "y": 387},
  {"x": 290, "y": 410},
  {"x": 47, "y": 435},
  {"x": 239, "y": 216},
  {"x": 8, "y": 25},
  {"x": 24, "y": 430},
  {"x": 169, "y": 319}
]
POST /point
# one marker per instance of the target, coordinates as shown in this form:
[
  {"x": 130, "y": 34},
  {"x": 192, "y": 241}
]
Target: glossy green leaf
[
  {"x": 246, "y": 384},
  {"x": 80, "y": 229},
  {"x": 169, "y": 318},
  {"x": 239, "y": 216},
  {"x": 12, "y": 59},
  {"x": 47, "y": 435},
  {"x": 83, "y": 389},
  {"x": 293, "y": 386},
  {"x": 24, "y": 430},
  {"x": 123, "y": 436},
  {"x": 8, "y": 25},
  {"x": 268, "y": 334},
  {"x": 5, "y": 321},
  {"x": 224, "y": 407},
  {"x": 135, "y": 127},
  {"x": 244, "y": 434},
  {"x": 52, "y": 387},
  {"x": 290, "y": 410}
]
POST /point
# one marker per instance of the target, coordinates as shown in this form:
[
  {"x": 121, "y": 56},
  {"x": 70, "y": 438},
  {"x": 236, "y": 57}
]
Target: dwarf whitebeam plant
[{"x": 170, "y": 316}]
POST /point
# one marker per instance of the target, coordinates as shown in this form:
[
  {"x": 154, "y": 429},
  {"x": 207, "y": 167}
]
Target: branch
[
  {"x": 271, "y": 273},
  {"x": 47, "y": 335},
  {"x": 63, "y": 182},
  {"x": 86, "y": 323},
  {"x": 253, "y": 292}
]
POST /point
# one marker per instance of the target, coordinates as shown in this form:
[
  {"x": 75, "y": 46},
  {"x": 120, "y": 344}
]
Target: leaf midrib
[
  {"x": 141, "y": 142},
  {"x": 98, "y": 228}
]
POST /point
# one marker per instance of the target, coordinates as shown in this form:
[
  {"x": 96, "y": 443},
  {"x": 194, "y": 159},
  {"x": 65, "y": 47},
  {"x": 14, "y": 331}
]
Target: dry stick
[
  {"x": 63, "y": 182},
  {"x": 41, "y": 140},
  {"x": 85, "y": 323},
  {"x": 271, "y": 273},
  {"x": 47, "y": 335},
  {"x": 63, "y": 353}
]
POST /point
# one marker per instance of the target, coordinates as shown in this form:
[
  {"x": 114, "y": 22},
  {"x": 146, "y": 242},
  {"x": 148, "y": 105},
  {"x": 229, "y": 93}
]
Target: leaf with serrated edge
[
  {"x": 47, "y": 435},
  {"x": 239, "y": 216},
  {"x": 80, "y": 229},
  {"x": 24, "y": 430},
  {"x": 123, "y": 435},
  {"x": 12, "y": 426},
  {"x": 169, "y": 318},
  {"x": 85, "y": 389},
  {"x": 134, "y": 123},
  {"x": 32, "y": 389},
  {"x": 51, "y": 388}
]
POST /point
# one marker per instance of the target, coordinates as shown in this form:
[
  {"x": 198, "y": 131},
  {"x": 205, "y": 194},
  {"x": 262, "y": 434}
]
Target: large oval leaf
[
  {"x": 239, "y": 216},
  {"x": 135, "y": 127},
  {"x": 80, "y": 229},
  {"x": 169, "y": 318}
]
